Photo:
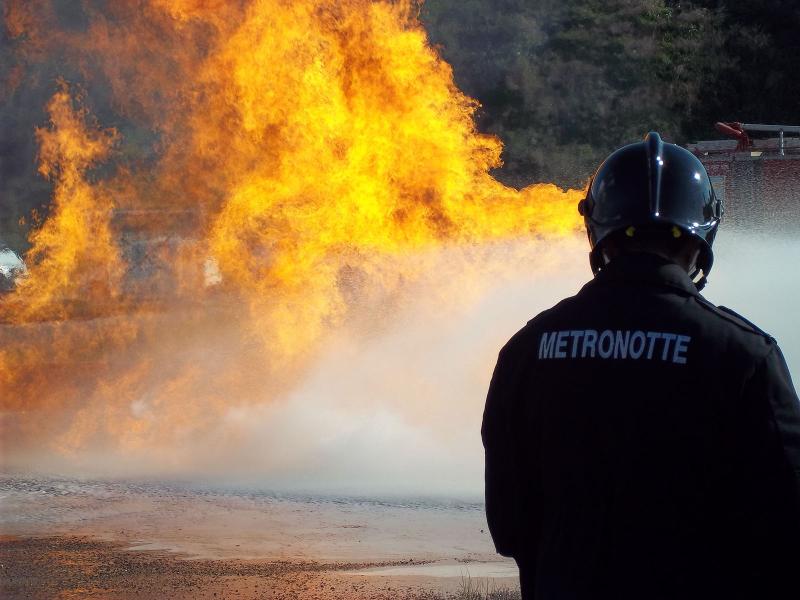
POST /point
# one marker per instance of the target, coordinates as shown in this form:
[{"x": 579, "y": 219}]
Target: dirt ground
[
  {"x": 63, "y": 538},
  {"x": 81, "y": 567}
]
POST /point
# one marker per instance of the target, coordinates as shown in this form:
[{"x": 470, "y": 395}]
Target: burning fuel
[{"x": 312, "y": 161}]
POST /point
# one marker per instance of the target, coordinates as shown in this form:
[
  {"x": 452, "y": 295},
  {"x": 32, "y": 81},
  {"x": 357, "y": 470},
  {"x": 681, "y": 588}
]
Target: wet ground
[
  {"x": 69, "y": 539},
  {"x": 77, "y": 567}
]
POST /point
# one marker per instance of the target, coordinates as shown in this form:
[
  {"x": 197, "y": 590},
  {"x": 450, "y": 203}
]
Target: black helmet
[{"x": 650, "y": 185}]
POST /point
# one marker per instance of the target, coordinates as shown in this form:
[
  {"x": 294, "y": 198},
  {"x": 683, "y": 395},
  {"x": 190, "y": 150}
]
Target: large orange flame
[
  {"x": 74, "y": 257},
  {"x": 307, "y": 150}
]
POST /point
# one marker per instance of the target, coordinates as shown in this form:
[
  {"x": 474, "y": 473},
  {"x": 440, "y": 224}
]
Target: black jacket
[{"x": 643, "y": 443}]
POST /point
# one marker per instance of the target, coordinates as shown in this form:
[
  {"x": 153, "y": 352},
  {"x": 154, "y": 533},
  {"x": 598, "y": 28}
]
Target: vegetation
[
  {"x": 474, "y": 589},
  {"x": 564, "y": 82}
]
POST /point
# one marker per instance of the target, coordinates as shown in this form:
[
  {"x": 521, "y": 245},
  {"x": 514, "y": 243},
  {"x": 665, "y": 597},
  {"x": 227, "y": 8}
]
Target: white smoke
[
  {"x": 755, "y": 274},
  {"x": 397, "y": 408},
  {"x": 401, "y": 412}
]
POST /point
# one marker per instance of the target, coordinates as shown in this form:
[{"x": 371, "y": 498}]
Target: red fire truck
[{"x": 758, "y": 178}]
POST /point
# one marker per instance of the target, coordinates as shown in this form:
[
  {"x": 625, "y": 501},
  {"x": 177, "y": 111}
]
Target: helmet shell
[{"x": 652, "y": 184}]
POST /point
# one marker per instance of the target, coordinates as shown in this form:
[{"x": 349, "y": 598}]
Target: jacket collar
[{"x": 647, "y": 269}]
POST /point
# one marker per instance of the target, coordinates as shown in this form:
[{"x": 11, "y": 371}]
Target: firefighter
[{"x": 641, "y": 442}]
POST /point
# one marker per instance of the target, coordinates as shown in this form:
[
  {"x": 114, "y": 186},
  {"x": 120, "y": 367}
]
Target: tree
[{"x": 572, "y": 80}]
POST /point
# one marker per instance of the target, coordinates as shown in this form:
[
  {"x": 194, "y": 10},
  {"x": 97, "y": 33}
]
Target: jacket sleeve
[
  {"x": 773, "y": 381},
  {"x": 770, "y": 476},
  {"x": 786, "y": 413},
  {"x": 503, "y": 486}
]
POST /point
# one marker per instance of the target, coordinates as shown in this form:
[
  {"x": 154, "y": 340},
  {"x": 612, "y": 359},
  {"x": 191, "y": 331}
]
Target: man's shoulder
[
  {"x": 727, "y": 329},
  {"x": 729, "y": 318}
]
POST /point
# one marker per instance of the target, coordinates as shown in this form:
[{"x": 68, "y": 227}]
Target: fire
[
  {"x": 74, "y": 257},
  {"x": 311, "y": 152}
]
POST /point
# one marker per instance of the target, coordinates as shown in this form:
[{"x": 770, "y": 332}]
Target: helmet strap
[
  {"x": 596, "y": 260},
  {"x": 699, "y": 279}
]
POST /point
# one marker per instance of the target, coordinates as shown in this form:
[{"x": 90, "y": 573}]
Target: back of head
[
  {"x": 652, "y": 197},
  {"x": 671, "y": 243}
]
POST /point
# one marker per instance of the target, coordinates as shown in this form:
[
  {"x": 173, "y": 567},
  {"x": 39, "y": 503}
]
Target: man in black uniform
[{"x": 640, "y": 441}]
